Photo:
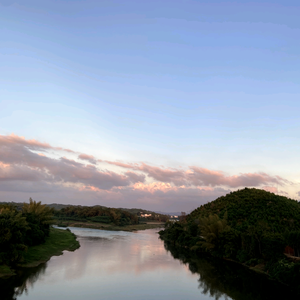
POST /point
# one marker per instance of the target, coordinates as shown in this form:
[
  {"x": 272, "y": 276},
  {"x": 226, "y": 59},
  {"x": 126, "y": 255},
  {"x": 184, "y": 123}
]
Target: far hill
[
  {"x": 58, "y": 206},
  {"x": 88, "y": 216},
  {"x": 19, "y": 205}
]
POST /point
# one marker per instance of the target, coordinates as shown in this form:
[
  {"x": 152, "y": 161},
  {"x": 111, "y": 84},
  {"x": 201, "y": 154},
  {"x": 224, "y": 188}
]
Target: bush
[
  {"x": 101, "y": 219},
  {"x": 242, "y": 256},
  {"x": 13, "y": 228},
  {"x": 286, "y": 271},
  {"x": 273, "y": 245}
]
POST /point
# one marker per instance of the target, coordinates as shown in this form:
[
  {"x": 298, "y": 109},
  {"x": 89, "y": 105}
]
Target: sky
[{"x": 162, "y": 105}]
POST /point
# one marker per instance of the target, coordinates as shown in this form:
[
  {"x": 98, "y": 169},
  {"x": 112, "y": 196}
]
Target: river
[{"x": 126, "y": 265}]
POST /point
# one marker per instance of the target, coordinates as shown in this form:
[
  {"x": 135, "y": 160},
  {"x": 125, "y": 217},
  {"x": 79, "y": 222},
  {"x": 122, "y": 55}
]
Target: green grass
[
  {"x": 5, "y": 271},
  {"x": 135, "y": 227},
  {"x": 58, "y": 241}
]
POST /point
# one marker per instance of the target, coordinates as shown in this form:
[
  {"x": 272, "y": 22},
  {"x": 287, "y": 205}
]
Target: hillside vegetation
[
  {"x": 251, "y": 226},
  {"x": 64, "y": 215},
  {"x": 253, "y": 207},
  {"x": 115, "y": 217},
  {"x": 96, "y": 214},
  {"x": 27, "y": 233}
]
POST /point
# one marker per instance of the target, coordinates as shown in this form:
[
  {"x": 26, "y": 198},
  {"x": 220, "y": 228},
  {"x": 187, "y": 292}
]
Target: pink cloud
[
  {"x": 15, "y": 173},
  {"x": 27, "y": 165},
  {"x": 89, "y": 188},
  {"x": 2, "y": 165},
  {"x": 135, "y": 177},
  {"x": 203, "y": 177},
  {"x": 120, "y": 164},
  {"x": 175, "y": 176},
  {"x": 24, "y": 170},
  {"x": 197, "y": 176},
  {"x": 270, "y": 189},
  {"x": 89, "y": 158},
  {"x": 153, "y": 187},
  {"x": 32, "y": 144}
]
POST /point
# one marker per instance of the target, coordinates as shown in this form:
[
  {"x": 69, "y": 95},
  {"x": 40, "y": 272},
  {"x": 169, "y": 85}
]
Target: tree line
[
  {"x": 96, "y": 214},
  {"x": 20, "y": 229}
]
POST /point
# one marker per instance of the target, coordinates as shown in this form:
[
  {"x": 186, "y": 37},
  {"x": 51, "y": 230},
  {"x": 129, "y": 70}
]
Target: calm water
[{"x": 124, "y": 265}]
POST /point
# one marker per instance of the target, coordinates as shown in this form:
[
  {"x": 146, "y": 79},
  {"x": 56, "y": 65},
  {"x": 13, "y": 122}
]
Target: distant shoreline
[{"x": 103, "y": 226}]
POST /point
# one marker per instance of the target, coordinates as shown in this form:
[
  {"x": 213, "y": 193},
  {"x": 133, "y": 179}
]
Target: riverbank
[
  {"x": 103, "y": 226},
  {"x": 6, "y": 271},
  {"x": 58, "y": 241},
  {"x": 258, "y": 269}
]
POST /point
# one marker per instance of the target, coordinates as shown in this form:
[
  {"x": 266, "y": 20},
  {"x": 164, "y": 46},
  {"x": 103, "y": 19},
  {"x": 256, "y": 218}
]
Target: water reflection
[
  {"x": 228, "y": 280},
  {"x": 124, "y": 265},
  {"x": 108, "y": 265},
  {"x": 17, "y": 285},
  {"x": 110, "y": 253}
]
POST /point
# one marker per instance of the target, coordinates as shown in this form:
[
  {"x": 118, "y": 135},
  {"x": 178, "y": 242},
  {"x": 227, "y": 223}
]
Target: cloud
[
  {"x": 178, "y": 177},
  {"x": 197, "y": 176},
  {"x": 120, "y": 164},
  {"x": 55, "y": 174},
  {"x": 18, "y": 162},
  {"x": 89, "y": 158},
  {"x": 270, "y": 189},
  {"x": 154, "y": 187},
  {"x": 202, "y": 177},
  {"x": 170, "y": 175},
  {"x": 31, "y": 144},
  {"x": 135, "y": 177},
  {"x": 166, "y": 198},
  {"x": 283, "y": 193}
]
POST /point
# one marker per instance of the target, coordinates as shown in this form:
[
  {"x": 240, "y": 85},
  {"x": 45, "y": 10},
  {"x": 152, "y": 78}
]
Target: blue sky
[{"x": 212, "y": 84}]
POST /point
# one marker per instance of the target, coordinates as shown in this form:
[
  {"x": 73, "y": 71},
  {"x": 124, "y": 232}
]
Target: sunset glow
[
  {"x": 154, "y": 104},
  {"x": 36, "y": 164}
]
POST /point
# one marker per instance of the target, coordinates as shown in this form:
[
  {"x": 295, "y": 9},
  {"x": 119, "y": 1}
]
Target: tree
[
  {"x": 13, "y": 227},
  {"x": 39, "y": 218},
  {"x": 211, "y": 228}
]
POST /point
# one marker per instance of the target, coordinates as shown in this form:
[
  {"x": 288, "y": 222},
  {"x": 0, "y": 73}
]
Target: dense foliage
[
  {"x": 96, "y": 214},
  {"x": 20, "y": 229},
  {"x": 251, "y": 226},
  {"x": 59, "y": 210}
]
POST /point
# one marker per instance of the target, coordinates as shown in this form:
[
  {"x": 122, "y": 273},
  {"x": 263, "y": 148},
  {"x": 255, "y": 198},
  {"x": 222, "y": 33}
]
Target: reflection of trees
[
  {"x": 224, "y": 279},
  {"x": 17, "y": 285},
  {"x": 209, "y": 281}
]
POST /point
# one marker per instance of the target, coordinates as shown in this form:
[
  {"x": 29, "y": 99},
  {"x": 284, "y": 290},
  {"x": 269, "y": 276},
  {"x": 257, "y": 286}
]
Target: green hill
[
  {"x": 251, "y": 226},
  {"x": 253, "y": 207}
]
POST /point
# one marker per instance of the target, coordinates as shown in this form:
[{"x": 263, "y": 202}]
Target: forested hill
[
  {"x": 250, "y": 226},
  {"x": 253, "y": 207}
]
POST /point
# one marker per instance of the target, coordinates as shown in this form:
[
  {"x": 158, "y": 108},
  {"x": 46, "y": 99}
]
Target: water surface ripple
[{"x": 125, "y": 265}]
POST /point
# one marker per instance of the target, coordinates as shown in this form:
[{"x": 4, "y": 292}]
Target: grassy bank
[
  {"x": 103, "y": 226},
  {"x": 58, "y": 241},
  {"x": 6, "y": 271}
]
